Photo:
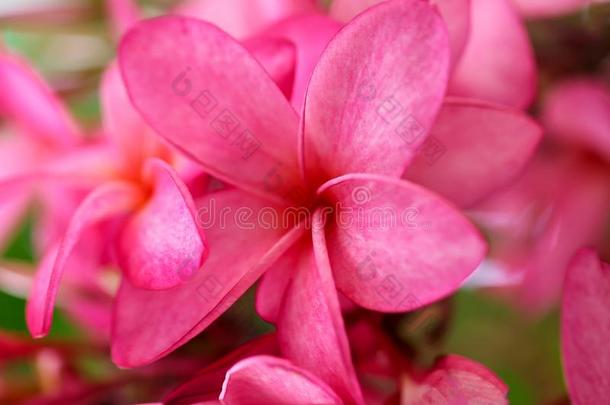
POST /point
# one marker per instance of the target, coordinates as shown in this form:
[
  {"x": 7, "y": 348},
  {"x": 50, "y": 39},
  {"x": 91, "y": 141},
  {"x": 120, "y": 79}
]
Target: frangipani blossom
[
  {"x": 585, "y": 329},
  {"x": 227, "y": 114}
]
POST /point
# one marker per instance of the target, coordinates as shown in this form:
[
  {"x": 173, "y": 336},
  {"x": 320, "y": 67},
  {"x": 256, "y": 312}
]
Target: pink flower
[
  {"x": 373, "y": 97},
  {"x": 585, "y": 329}
]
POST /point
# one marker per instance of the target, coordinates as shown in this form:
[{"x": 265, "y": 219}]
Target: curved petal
[
  {"x": 498, "y": 62},
  {"x": 456, "y": 380},
  {"x": 395, "y": 246},
  {"x": 474, "y": 149},
  {"x": 310, "y": 34},
  {"x": 103, "y": 203},
  {"x": 161, "y": 245},
  {"x": 244, "y": 18},
  {"x": 278, "y": 57},
  {"x": 240, "y": 252},
  {"x": 273, "y": 381},
  {"x": 375, "y": 91},
  {"x": 224, "y": 112},
  {"x": 549, "y": 8},
  {"x": 26, "y": 99},
  {"x": 123, "y": 15},
  {"x": 310, "y": 327},
  {"x": 578, "y": 111},
  {"x": 456, "y": 14},
  {"x": 585, "y": 329}
]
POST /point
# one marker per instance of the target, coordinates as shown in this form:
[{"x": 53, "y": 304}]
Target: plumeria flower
[
  {"x": 585, "y": 329},
  {"x": 538, "y": 224},
  {"x": 348, "y": 152}
]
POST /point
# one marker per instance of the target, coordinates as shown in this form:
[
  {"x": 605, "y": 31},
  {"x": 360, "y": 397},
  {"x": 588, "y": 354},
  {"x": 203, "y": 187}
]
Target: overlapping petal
[
  {"x": 395, "y": 246},
  {"x": 387, "y": 70}
]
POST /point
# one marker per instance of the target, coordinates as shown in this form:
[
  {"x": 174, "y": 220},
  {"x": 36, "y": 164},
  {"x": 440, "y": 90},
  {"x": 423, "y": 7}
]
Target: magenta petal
[
  {"x": 26, "y": 99},
  {"x": 123, "y": 15},
  {"x": 103, "y": 203},
  {"x": 239, "y": 253},
  {"x": 278, "y": 57},
  {"x": 162, "y": 244},
  {"x": 274, "y": 381},
  {"x": 585, "y": 329},
  {"x": 310, "y": 327},
  {"x": 474, "y": 149},
  {"x": 498, "y": 62},
  {"x": 395, "y": 246},
  {"x": 244, "y": 18},
  {"x": 224, "y": 112},
  {"x": 578, "y": 111},
  {"x": 457, "y": 380},
  {"x": 375, "y": 91},
  {"x": 549, "y": 8}
]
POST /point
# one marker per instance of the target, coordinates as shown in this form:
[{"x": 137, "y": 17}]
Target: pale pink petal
[
  {"x": 239, "y": 253},
  {"x": 578, "y": 111},
  {"x": 498, "y": 62},
  {"x": 224, "y": 112},
  {"x": 274, "y": 381},
  {"x": 13, "y": 205},
  {"x": 26, "y": 99},
  {"x": 103, "y": 203},
  {"x": 585, "y": 329},
  {"x": 550, "y": 8},
  {"x": 244, "y": 18},
  {"x": 123, "y": 14},
  {"x": 474, "y": 149},
  {"x": 375, "y": 91},
  {"x": 162, "y": 245},
  {"x": 310, "y": 34},
  {"x": 395, "y": 246},
  {"x": 456, "y": 380},
  {"x": 456, "y": 14},
  {"x": 310, "y": 327},
  {"x": 278, "y": 57}
]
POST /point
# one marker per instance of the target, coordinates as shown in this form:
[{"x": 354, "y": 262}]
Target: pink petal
[
  {"x": 498, "y": 62},
  {"x": 103, "y": 203},
  {"x": 310, "y": 34},
  {"x": 395, "y": 246},
  {"x": 197, "y": 102},
  {"x": 474, "y": 149},
  {"x": 456, "y": 14},
  {"x": 123, "y": 15},
  {"x": 578, "y": 111},
  {"x": 239, "y": 253},
  {"x": 550, "y": 8},
  {"x": 244, "y": 18},
  {"x": 585, "y": 329},
  {"x": 375, "y": 91},
  {"x": 311, "y": 332},
  {"x": 26, "y": 99},
  {"x": 457, "y": 380},
  {"x": 274, "y": 381},
  {"x": 162, "y": 245},
  {"x": 14, "y": 202},
  {"x": 278, "y": 57}
]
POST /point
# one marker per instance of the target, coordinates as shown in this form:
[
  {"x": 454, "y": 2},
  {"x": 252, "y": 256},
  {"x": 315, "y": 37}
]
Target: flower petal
[
  {"x": 224, "y": 112},
  {"x": 585, "y": 329},
  {"x": 310, "y": 328},
  {"x": 549, "y": 8},
  {"x": 474, "y": 149},
  {"x": 123, "y": 15},
  {"x": 239, "y": 253},
  {"x": 578, "y": 111},
  {"x": 161, "y": 244},
  {"x": 278, "y": 57},
  {"x": 395, "y": 246},
  {"x": 103, "y": 203},
  {"x": 274, "y": 381},
  {"x": 26, "y": 99},
  {"x": 498, "y": 62},
  {"x": 375, "y": 91},
  {"x": 457, "y": 380}
]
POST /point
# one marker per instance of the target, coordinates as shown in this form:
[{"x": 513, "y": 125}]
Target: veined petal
[
  {"x": 224, "y": 112},
  {"x": 395, "y": 246},
  {"x": 474, "y": 149},
  {"x": 375, "y": 92},
  {"x": 161, "y": 245},
  {"x": 585, "y": 329}
]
